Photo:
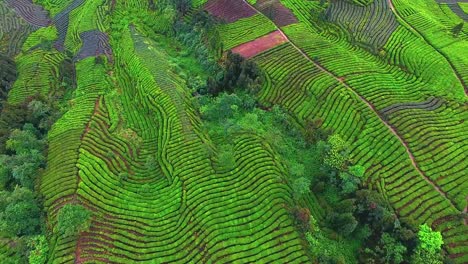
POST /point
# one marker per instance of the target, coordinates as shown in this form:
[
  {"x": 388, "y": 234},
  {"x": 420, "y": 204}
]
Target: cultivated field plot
[
  {"x": 410, "y": 135},
  {"x": 131, "y": 140}
]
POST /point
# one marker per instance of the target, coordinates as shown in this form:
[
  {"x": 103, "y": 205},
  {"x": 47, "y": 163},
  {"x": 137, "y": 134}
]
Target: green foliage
[
  {"x": 39, "y": 249},
  {"x": 348, "y": 183},
  {"x": 338, "y": 153},
  {"x": 421, "y": 256},
  {"x": 19, "y": 213},
  {"x": 357, "y": 170},
  {"x": 8, "y": 75},
  {"x": 72, "y": 219},
  {"x": 226, "y": 156},
  {"x": 23, "y": 141},
  {"x": 301, "y": 186},
  {"x": 390, "y": 250},
  {"x": 344, "y": 223},
  {"x": 430, "y": 241},
  {"x": 151, "y": 163},
  {"x": 238, "y": 74},
  {"x": 28, "y": 157},
  {"x": 328, "y": 250}
]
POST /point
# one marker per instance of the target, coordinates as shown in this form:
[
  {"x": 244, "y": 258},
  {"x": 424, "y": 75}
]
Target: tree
[
  {"x": 25, "y": 140},
  {"x": 8, "y": 75},
  {"x": 394, "y": 251},
  {"x": 428, "y": 250},
  {"x": 337, "y": 154},
  {"x": 72, "y": 219},
  {"x": 349, "y": 183},
  {"x": 151, "y": 163},
  {"x": 19, "y": 213},
  {"x": 357, "y": 170},
  {"x": 457, "y": 29},
  {"x": 429, "y": 240},
  {"x": 39, "y": 249},
  {"x": 24, "y": 164},
  {"x": 302, "y": 218},
  {"x": 301, "y": 186},
  {"x": 182, "y": 6},
  {"x": 421, "y": 256},
  {"x": 342, "y": 223}
]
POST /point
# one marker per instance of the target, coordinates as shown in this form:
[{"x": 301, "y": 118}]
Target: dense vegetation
[{"x": 131, "y": 131}]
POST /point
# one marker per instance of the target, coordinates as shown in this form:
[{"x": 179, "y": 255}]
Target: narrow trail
[
  {"x": 415, "y": 31},
  {"x": 373, "y": 109},
  {"x": 465, "y": 211}
]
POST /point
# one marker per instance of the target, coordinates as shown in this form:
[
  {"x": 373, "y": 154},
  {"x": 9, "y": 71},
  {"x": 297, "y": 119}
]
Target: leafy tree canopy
[
  {"x": 19, "y": 212},
  {"x": 430, "y": 240},
  {"x": 72, "y": 219}
]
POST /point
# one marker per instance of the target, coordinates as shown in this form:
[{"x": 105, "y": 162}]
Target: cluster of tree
[
  {"x": 23, "y": 129},
  {"x": 8, "y": 75},
  {"x": 23, "y": 152},
  {"x": 182, "y": 6},
  {"x": 237, "y": 73},
  {"x": 364, "y": 213}
]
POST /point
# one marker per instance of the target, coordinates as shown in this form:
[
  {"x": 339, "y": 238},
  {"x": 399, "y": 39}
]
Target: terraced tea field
[
  {"x": 417, "y": 154},
  {"x": 132, "y": 144}
]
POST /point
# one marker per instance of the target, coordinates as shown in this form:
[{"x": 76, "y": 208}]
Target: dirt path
[
  {"x": 465, "y": 211},
  {"x": 415, "y": 31},
  {"x": 390, "y": 127}
]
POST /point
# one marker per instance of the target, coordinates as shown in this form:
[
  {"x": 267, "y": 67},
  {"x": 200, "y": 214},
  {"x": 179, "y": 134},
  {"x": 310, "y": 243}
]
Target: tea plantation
[{"x": 132, "y": 132}]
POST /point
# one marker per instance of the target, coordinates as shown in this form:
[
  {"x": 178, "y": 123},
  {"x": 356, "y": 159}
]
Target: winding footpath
[{"x": 372, "y": 108}]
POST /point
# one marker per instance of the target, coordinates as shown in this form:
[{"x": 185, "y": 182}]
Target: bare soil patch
[{"x": 255, "y": 47}]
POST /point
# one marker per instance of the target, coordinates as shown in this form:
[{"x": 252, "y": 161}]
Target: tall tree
[{"x": 73, "y": 219}]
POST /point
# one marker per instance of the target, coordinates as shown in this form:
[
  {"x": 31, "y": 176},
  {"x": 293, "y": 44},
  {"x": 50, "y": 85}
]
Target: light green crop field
[{"x": 133, "y": 142}]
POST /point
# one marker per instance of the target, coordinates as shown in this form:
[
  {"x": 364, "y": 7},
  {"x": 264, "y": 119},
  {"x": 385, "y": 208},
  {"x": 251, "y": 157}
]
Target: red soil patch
[
  {"x": 276, "y": 11},
  {"x": 254, "y": 47},
  {"x": 229, "y": 10}
]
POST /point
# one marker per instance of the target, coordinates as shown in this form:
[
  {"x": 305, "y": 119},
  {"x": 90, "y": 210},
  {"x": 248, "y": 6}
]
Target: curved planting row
[
  {"x": 61, "y": 21},
  {"x": 85, "y": 20},
  {"x": 301, "y": 9},
  {"x": 436, "y": 27},
  {"x": 369, "y": 25},
  {"x": 388, "y": 166},
  {"x": 38, "y": 74},
  {"x": 412, "y": 54},
  {"x": 13, "y": 30},
  {"x": 95, "y": 43},
  {"x": 276, "y": 11},
  {"x": 229, "y": 10},
  {"x": 143, "y": 168},
  {"x": 32, "y": 13},
  {"x": 457, "y": 10},
  {"x": 245, "y": 30},
  {"x": 381, "y": 84},
  {"x": 61, "y": 179},
  {"x": 432, "y": 103},
  {"x": 412, "y": 188},
  {"x": 437, "y": 138}
]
